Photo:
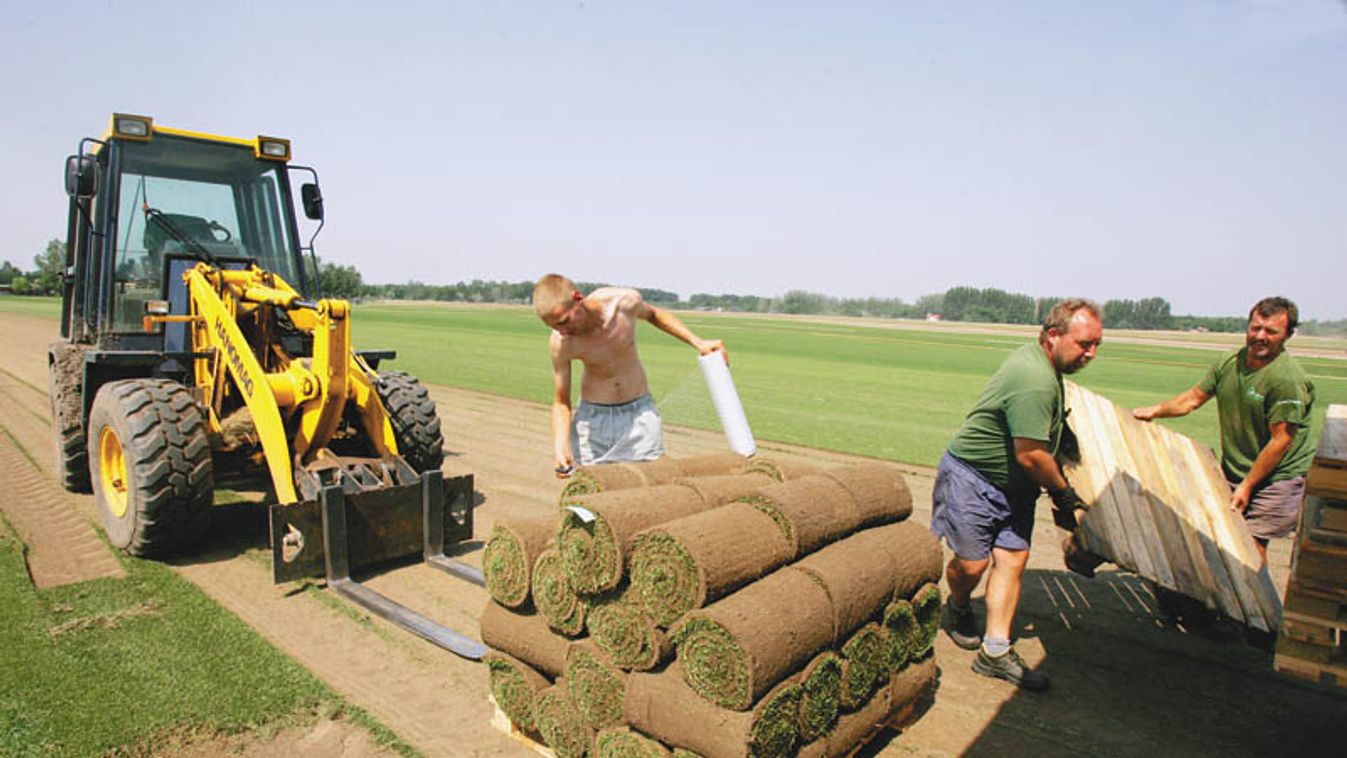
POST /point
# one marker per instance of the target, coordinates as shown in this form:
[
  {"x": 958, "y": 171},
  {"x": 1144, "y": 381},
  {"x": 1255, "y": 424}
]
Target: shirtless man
[{"x": 616, "y": 420}]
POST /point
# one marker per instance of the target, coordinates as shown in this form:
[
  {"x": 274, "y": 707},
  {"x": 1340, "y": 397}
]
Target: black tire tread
[
  {"x": 168, "y": 453},
  {"x": 64, "y": 388},
  {"x": 416, "y": 423}
]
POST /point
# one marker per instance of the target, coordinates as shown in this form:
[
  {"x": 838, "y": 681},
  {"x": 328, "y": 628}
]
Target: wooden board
[
  {"x": 1328, "y": 474},
  {"x": 1161, "y": 508}
]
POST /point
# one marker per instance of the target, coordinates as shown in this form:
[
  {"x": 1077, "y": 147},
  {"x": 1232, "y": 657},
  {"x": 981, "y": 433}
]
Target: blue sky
[{"x": 1190, "y": 149}]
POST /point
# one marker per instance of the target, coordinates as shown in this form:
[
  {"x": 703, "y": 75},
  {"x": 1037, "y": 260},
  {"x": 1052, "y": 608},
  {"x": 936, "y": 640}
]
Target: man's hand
[
  {"x": 1065, "y": 502},
  {"x": 706, "y": 347},
  {"x": 1145, "y": 414},
  {"x": 1239, "y": 500}
]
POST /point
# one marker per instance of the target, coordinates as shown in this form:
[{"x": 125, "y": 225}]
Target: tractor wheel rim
[{"x": 112, "y": 470}]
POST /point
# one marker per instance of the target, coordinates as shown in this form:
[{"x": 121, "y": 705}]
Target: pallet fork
[{"x": 422, "y": 514}]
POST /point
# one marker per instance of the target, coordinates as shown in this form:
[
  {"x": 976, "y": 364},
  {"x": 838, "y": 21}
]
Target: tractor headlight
[
  {"x": 127, "y": 126},
  {"x": 273, "y": 148}
]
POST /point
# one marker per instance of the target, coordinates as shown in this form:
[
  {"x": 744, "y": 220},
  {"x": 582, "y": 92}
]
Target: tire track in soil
[{"x": 62, "y": 546}]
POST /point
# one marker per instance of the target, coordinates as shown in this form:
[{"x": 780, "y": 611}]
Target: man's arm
[
  {"x": 1272, "y": 453},
  {"x": 1038, "y": 463},
  {"x": 1179, "y": 405},
  {"x": 670, "y": 324},
  {"x": 561, "y": 404}
]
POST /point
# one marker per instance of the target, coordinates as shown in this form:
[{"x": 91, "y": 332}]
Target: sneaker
[
  {"x": 962, "y": 627},
  {"x": 1011, "y": 668}
]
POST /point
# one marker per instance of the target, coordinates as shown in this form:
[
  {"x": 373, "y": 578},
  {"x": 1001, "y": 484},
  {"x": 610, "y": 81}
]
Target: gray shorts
[
  {"x": 1274, "y": 509},
  {"x": 617, "y": 433},
  {"x": 974, "y": 515}
]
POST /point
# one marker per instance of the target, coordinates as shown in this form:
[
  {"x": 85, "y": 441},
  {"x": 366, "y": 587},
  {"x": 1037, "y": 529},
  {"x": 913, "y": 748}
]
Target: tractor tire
[
  {"x": 416, "y": 424},
  {"x": 65, "y": 387},
  {"x": 153, "y": 478}
]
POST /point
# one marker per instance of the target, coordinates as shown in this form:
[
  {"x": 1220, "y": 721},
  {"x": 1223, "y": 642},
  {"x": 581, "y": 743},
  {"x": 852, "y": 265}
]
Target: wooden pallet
[
  {"x": 530, "y": 740},
  {"x": 1161, "y": 508},
  {"x": 1328, "y": 473}
]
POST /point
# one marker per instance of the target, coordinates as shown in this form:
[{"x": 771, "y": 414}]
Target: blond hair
[
  {"x": 550, "y": 291},
  {"x": 1060, "y": 316}
]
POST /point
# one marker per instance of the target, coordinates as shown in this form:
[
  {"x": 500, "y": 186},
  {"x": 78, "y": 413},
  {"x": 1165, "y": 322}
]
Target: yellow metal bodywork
[
  {"x": 296, "y": 404},
  {"x": 253, "y": 142}
]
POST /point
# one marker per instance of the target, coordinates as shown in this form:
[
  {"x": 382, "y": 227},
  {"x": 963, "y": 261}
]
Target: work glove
[{"x": 1065, "y": 501}]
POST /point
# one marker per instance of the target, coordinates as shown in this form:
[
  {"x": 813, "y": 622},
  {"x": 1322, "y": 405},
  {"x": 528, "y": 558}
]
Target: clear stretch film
[{"x": 726, "y": 400}]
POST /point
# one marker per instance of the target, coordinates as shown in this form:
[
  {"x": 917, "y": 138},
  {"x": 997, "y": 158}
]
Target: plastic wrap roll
[{"x": 726, "y": 400}]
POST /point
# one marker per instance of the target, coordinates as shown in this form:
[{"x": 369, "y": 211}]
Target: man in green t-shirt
[
  {"x": 1264, "y": 400},
  {"x": 990, "y": 478}
]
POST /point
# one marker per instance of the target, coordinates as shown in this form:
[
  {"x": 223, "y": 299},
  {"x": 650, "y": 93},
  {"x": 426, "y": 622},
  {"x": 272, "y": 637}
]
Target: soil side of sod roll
[
  {"x": 913, "y": 685},
  {"x": 661, "y": 704},
  {"x": 812, "y": 511},
  {"x": 514, "y": 684},
  {"x": 862, "y": 571},
  {"x": 736, "y": 649},
  {"x": 782, "y": 470},
  {"x": 597, "y": 686},
  {"x": 627, "y": 633},
  {"x": 560, "y": 723},
  {"x": 723, "y": 488},
  {"x": 686, "y": 563},
  {"x": 587, "y": 480},
  {"x": 616, "y": 476},
  {"x": 624, "y": 742},
  {"x": 879, "y": 489},
  {"x": 594, "y": 552},
  {"x": 511, "y": 550},
  {"x": 525, "y": 636},
  {"x": 856, "y": 728},
  {"x": 554, "y": 596}
]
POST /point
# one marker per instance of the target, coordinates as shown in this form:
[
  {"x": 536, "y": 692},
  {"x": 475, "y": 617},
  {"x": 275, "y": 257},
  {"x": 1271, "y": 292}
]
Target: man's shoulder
[
  {"x": 621, "y": 295},
  {"x": 1287, "y": 368},
  {"x": 1028, "y": 365}
]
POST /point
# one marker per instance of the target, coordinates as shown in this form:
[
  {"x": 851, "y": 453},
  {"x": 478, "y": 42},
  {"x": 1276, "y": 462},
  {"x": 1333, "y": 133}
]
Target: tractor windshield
[{"x": 187, "y": 197}]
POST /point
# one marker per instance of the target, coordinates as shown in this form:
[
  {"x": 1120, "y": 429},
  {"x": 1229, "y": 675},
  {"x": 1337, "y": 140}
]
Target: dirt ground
[{"x": 1126, "y": 681}]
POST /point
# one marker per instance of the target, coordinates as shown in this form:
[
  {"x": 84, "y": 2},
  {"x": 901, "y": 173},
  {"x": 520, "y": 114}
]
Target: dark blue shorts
[{"x": 973, "y": 515}]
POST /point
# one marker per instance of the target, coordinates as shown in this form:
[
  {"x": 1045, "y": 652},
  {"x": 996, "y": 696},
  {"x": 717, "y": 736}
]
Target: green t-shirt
[
  {"x": 1250, "y": 401},
  {"x": 1022, "y": 399}
]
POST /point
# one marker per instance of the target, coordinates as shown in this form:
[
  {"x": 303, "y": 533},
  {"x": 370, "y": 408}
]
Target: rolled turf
[
  {"x": 900, "y": 624},
  {"x": 723, "y": 488},
  {"x": 663, "y": 706},
  {"x": 736, "y": 649},
  {"x": 855, "y": 728},
  {"x": 879, "y": 489},
  {"x": 820, "y": 695},
  {"x": 627, "y": 633},
  {"x": 560, "y": 723},
  {"x": 862, "y": 571},
  {"x": 525, "y": 636},
  {"x": 507, "y": 560},
  {"x": 597, "y": 687},
  {"x": 623, "y": 742},
  {"x": 926, "y": 607},
  {"x": 554, "y": 596},
  {"x": 614, "y": 476},
  {"x": 911, "y": 686},
  {"x": 514, "y": 685},
  {"x": 688, "y": 562},
  {"x": 594, "y": 551},
  {"x": 865, "y": 664},
  {"x": 811, "y": 512}
]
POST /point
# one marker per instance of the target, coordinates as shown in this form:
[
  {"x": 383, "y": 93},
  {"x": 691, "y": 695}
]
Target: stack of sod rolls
[{"x": 754, "y": 609}]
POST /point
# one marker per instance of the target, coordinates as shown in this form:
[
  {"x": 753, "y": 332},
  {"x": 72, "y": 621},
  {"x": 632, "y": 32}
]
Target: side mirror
[
  {"x": 81, "y": 176},
  {"x": 313, "y": 201}
]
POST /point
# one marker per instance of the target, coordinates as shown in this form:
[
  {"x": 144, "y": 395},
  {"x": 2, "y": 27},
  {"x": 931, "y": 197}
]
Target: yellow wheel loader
[{"x": 193, "y": 339}]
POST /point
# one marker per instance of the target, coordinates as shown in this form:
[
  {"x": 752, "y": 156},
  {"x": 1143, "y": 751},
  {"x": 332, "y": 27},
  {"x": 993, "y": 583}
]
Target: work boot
[
  {"x": 1011, "y": 668},
  {"x": 962, "y": 626}
]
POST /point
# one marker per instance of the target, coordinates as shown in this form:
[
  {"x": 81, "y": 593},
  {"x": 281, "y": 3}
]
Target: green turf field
[{"x": 890, "y": 393}]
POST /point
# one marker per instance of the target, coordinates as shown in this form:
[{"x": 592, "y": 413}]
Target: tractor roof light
[
  {"x": 127, "y": 126},
  {"x": 273, "y": 148}
]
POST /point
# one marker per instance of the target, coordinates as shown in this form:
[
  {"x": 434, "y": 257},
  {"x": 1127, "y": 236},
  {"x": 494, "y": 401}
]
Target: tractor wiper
[{"x": 189, "y": 243}]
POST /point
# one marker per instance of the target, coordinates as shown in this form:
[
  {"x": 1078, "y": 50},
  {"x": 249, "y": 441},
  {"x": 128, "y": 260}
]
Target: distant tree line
[{"x": 989, "y": 305}]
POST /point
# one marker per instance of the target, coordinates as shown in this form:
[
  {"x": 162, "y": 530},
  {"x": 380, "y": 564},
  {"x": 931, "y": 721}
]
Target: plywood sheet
[{"x": 1161, "y": 508}]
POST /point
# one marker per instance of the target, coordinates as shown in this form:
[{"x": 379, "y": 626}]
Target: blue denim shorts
[
  {"x": 631, "y": 431},
  {"x": 973, "y": 515}
]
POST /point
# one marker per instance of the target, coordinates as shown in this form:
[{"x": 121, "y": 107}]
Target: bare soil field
[{"x": 1126, "y": 680}]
